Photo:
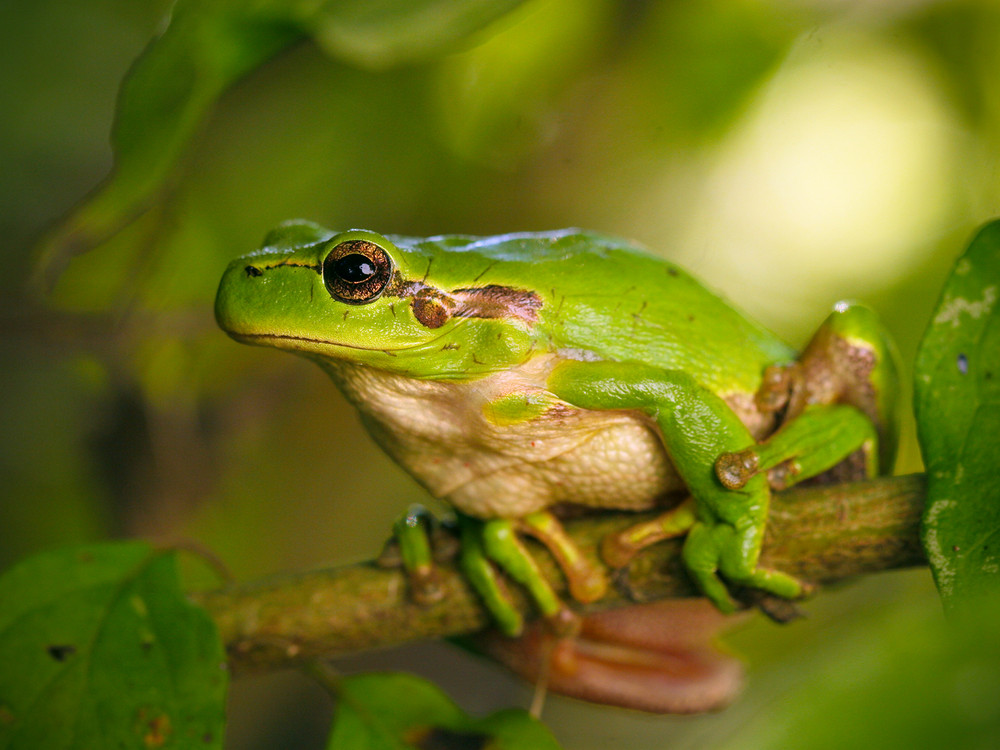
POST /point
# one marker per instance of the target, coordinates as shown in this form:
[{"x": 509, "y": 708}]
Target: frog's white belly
[{"x": 440, "y": 433}]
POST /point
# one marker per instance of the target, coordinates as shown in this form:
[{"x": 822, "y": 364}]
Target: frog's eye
[{"x": 357, "y": 271}]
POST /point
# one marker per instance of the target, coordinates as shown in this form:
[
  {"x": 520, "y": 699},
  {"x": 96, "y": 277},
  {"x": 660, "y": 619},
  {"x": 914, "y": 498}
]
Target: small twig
[{"x": 821, "y": 535}]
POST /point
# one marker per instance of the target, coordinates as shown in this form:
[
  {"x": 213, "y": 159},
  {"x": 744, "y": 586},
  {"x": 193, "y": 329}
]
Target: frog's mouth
[
  {"x": 313, "y": 345},
  {"x": 296, "y": 342}
]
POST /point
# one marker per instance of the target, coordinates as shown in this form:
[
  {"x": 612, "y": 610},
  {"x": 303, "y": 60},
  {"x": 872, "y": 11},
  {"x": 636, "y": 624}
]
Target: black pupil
[{"x": 354, "y": 268}]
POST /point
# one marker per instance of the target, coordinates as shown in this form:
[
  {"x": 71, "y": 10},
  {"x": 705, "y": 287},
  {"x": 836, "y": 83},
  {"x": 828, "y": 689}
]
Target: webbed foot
[{"x": 660, "y": 657}]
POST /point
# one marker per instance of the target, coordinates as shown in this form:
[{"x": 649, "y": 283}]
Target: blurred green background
[{"x": 790, "y": 153}]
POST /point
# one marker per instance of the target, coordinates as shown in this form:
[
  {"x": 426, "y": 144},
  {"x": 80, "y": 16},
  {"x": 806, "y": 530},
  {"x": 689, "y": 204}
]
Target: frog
[{"x": 517, "y": 375}]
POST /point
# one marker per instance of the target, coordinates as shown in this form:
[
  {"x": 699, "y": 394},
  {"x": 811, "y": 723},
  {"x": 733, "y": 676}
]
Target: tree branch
[{"x": 820, "y": 534}]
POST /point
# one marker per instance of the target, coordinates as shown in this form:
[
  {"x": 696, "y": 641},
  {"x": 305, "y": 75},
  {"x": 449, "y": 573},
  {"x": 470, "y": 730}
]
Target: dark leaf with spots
[
  {"x": 100, "y": 649},
  {"x": 958, "y": 418}
]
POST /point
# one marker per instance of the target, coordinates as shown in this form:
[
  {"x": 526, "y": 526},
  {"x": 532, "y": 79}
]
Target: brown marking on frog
[
  {"x": 834, "y": 370},
  {"x": 433, "y": 308},
  {"x": 495, "y": 301}
]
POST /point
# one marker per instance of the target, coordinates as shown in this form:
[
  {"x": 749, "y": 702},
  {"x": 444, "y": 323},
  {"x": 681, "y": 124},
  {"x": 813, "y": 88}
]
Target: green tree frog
[{"x": 517, "y": 374}]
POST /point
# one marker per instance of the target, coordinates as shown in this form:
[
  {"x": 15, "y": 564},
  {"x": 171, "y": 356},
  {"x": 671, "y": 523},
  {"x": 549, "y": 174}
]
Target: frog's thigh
[
  {"x": 851, "y": 360},
  {"x": 816, "y": 440}
]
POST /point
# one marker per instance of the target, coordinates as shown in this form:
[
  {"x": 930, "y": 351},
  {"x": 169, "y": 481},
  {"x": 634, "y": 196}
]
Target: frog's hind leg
[
  {"x": 838, "y": 398},
  {"x": 851, "y": 360},
  {"x": 696, "y": 426}
]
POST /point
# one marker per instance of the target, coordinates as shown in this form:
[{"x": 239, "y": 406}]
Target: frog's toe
[
  {"x": 734, "y": 470},
  {"x": 487, "y": 582},
  {"x": 586, "y": 585},
  {"x": 585, "y": 578},
  {"x": 426, "y": 585},
  {"x": 411, "y": 548},
  {"x": 780, "y": 611},
  {"x": 770, "y": 581},
  {"x": 617, "y": 550},
  {"x": 565, "y": 623},
  {"x": 777, "y": 608},
  {"x": 701, "y": 558}
]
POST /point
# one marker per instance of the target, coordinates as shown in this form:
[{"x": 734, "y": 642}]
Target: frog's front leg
[
  {"x": 697, "y": 427},
  {"x": 490, "y": 548},
  {"x": 480, "y": 543},
  {"x": 496, "y": 543}
]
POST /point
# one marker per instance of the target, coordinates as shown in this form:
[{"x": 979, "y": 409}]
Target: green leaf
[
  {"x": 958, "y": 419},
  {"x": 209, "y": 45},
  {"x": 99, "y": 648},
  {"x": 404, "y": 712}
]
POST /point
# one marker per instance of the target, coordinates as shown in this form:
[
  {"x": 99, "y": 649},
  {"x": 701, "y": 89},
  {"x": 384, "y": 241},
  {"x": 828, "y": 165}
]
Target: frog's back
[{"x": 604, "y": 298}]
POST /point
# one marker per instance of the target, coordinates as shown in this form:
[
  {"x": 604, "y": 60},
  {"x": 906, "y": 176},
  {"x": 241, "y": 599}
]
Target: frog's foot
[
  {"x": 496, "y": 542},
  {"x": 617, "y": 550},
  {"x": 720, "y": 550},
  {"x": 418, "y": 543},
  {"x": 819, "y": 438},
  {"x": 771, "y": 582},
  {"x": 660, "y": 657}
]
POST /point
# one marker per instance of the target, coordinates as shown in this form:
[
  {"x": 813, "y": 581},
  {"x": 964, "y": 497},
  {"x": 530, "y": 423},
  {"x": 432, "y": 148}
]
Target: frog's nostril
[{"x": 253, "y": 272}]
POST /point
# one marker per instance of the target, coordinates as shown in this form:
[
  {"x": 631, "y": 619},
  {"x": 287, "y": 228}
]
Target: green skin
[{"x": 561, "y": 330}]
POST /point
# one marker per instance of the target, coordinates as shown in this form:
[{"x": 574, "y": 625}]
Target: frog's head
[{"x": 411, "y": 307}]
